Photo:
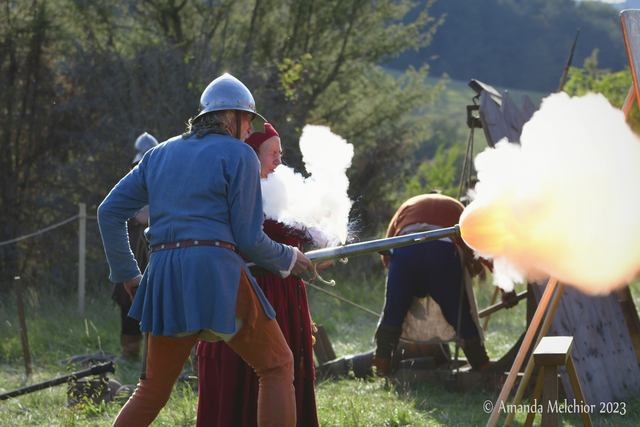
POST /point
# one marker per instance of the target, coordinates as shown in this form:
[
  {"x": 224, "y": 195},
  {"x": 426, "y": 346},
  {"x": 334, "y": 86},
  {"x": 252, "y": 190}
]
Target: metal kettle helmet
[
  {"x": 144, "y": 143},
  {"x": 228, "y": 93}
]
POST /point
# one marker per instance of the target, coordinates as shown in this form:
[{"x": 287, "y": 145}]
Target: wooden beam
[
  {"x": 530, "y": 364},
  {"x": 531, "y": 332},
  {"x": 492, "y": 309},
  {"x": 628, "y": 102},
  {"x": 630, "y": 20}
]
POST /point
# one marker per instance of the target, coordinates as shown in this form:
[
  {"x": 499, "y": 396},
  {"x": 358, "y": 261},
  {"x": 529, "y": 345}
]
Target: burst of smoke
[
  {"x": 319, "y": 202},
  {"x": 563, "y": 204}
]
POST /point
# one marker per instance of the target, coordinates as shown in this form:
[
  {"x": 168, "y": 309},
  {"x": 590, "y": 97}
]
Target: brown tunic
[{"x": 433, "y": 209}]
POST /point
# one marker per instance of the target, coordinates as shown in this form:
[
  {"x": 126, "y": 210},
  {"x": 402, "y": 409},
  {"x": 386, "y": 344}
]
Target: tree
[
  {"x": 306, "y": 62},
  {"x": 33, "y": 114},
  {"x": 82, "y": 79},
  {"x": 439, "y": 173},
  {"x": 614, "y": 86}
]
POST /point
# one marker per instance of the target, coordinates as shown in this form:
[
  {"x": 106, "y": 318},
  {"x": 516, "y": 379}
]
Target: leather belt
[{"x": 188, "y": 243}]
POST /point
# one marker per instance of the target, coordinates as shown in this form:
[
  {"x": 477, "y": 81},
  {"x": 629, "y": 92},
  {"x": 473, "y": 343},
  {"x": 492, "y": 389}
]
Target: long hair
[{"x": 212, "y": 122}]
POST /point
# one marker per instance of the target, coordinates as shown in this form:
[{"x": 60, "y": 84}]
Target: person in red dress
[{"x": 227, "y": 386}]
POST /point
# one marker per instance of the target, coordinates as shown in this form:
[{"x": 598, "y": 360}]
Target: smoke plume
[
  {"x": 319, "y": 202},
  {"x": 563, "y": 204}
]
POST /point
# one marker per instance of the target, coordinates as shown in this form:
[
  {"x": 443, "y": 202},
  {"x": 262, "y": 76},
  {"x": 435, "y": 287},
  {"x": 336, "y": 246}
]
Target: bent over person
[
  {"x": 434, "y": 268},
  {"x": 205, "y": 203}
]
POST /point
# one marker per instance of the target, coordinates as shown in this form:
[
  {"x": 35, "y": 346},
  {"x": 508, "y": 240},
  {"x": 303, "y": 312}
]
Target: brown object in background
[{"x": 323, "y": 348}]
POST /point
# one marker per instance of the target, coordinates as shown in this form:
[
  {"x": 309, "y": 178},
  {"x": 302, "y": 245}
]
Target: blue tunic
[{"x": 196, "y": 189}]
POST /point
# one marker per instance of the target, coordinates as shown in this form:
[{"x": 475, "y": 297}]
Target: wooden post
[
  {"x": 524, "y": 348},
  {"x": 550, "y": 417},
  {"x": 82, "y": 249},
  {"x": 23, "y": 326}
]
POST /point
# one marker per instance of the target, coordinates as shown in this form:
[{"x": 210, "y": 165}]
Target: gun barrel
[
  {"x": 362, "y": 248},
  {"x": 94, "y": 370}
]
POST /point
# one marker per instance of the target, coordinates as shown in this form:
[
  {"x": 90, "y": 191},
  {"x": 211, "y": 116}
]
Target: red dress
[{"x": 228, "y": 387}]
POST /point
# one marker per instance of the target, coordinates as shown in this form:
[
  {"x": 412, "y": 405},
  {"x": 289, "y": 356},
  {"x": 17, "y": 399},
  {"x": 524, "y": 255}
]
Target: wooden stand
[{"x": 551, "y": 353}]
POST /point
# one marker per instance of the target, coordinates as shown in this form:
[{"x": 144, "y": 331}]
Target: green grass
[
  {"x": 351, "y": 402},
  {"x": 57, "y": 332}
]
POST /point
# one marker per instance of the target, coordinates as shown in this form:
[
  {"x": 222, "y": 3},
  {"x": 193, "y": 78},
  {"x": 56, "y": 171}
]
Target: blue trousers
[{"x": 431, "y": 268}]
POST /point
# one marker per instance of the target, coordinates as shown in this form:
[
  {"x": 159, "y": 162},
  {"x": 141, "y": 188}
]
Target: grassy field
[
  {"x": 57, "y": 332},
  {"x": 448, "y": 112}
]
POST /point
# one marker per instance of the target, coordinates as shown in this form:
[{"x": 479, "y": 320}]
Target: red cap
[{"x": 257, "y": 138}]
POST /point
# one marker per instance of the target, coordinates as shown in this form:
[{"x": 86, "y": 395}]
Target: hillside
[
  {"x": 448, "y": 116},
  {"x": 523, "y": 44}
]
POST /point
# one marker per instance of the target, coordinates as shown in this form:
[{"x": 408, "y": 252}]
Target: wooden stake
[
  {"x": 524, "y": 348},
  {"x": 82, "y": 249},
  {"x": 23, "y": 326}
]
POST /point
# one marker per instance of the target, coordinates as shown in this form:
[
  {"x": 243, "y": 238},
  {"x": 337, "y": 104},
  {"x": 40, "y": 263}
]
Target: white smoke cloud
[
  {"x": 564, "y": 204},
  {"x": 319, "y": 202}
]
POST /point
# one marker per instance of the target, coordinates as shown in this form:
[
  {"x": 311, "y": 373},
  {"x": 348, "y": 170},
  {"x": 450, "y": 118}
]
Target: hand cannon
[{"x": 363, "y": 248}]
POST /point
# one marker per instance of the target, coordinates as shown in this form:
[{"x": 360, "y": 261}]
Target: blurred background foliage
[{"x": 81, "y": 79}]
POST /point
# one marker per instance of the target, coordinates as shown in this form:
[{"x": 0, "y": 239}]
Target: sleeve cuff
[{"x": 287, "y": 273}]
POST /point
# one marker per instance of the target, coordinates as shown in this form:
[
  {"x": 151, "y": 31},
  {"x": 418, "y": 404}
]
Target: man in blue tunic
[{"x": 203, "y": 192}]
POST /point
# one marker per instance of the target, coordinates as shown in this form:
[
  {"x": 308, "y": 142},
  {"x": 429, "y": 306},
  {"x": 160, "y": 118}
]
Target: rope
[
  {"x": 344, "y": 300},
  {"x": 44, "y": 230},
  {"x": 317, "y": 276}
]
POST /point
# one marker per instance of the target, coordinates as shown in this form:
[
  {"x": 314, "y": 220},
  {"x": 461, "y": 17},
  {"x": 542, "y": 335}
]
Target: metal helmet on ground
[
  {"x": 228, "y": 93},
  {"x": 144, "y": 143}
]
